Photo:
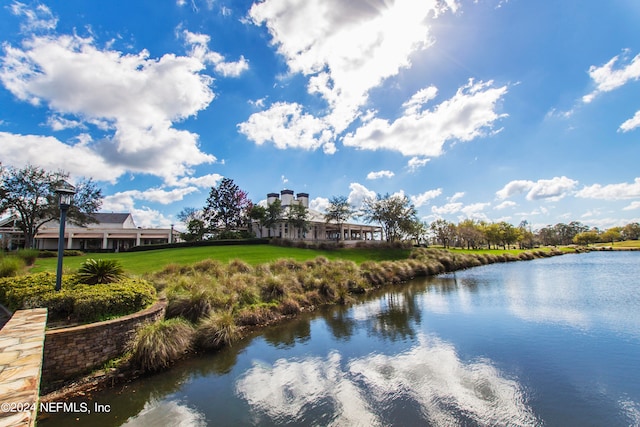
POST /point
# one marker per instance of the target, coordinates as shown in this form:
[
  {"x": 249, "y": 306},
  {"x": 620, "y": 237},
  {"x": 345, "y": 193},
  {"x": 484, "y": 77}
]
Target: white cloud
[
  {"x": 50, "y": 153},
  {"x": 319, "y": 204},
  {"x": 631, "y": 124},
  {"x": 416, "y": 163},
  {"x": 612, "y": 191},
  {"x": 205, "y": 181},
  {"x": 143, "y": 217},
  {"x": 346, "y": 48},
  {"x": 474, "y": 210},
  {"x": 456, "y": 196},
  {"x": 607, "y": 78},
  {"x": 632, "y": 206},
  {"x": 550, "y": 189},
  {"x": 286, "y": 126},
  {"x": 199, "y": 49},
  {"x": 156, "y": 195},
  {"x": 37, "y": 19},
  {"x": 358, "y": 193},
  {"x": 422, "y": 199},
  {"x": 506, "y": 204},
  {"x": 449, "y": 208},
  {"x": 134, "y": 99},
  {"x": 380, "y": 174},
  {"x": 469, "y": 114}
]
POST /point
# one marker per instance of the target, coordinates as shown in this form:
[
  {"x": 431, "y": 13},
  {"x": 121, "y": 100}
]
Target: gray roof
[{"x": 111, "y": 218}]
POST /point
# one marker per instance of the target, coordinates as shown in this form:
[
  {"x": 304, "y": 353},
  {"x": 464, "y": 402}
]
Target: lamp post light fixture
[{"x": 65, "y": 192}]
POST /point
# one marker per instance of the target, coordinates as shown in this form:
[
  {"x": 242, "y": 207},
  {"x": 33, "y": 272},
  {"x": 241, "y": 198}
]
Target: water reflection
[
  {"x": 428, "y": 381},
  {"x": 166, "y": 413}
]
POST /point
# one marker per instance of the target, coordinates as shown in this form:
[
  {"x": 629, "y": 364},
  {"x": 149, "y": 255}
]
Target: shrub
[
  {"x": 10, "y": 266},
  {"x": 94, "y": 271},
  {"x": 158, "y": 345},
  {"x": 76, "y": 301},
  {"x": 29, "y": 256},
  {"x": 216, "y": 330}
]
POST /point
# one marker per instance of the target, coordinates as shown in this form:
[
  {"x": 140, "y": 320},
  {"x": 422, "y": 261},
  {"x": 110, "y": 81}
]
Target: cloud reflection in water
[{"x": 430, "y": 375}]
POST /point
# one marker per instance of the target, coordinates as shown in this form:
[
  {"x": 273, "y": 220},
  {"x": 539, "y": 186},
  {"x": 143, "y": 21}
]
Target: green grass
[
  {"x": 625, "y": 244},
  {"x": 152, "y": 261}
]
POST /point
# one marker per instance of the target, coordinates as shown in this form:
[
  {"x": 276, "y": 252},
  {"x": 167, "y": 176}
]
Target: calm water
[{"x": 552, "y": 342}]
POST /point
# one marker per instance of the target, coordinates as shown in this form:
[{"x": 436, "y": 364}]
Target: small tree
[
  {"x": 194, "y": 222},
  {"x": 396, "y": 214},
  {"x": 338, "y": 212},
  {"x": 273, "y": 215},
  {"x": 444, "y": 231},
  {"x": 297, "y": 217},
  {"x": 227, "y": 208},
  {"x": 29, "y": 193}
]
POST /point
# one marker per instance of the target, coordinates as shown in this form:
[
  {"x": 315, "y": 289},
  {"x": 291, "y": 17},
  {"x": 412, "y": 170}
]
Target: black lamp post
[{"x": 65, "y": 192}]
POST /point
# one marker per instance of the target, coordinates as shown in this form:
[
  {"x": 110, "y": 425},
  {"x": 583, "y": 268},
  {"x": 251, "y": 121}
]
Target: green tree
[
  {"x": 396, "y": 214},
  {"x": 611, "y": 235},
  {"x": 586, "y": 238},
  {"x": 273, "y": 215},
  {"x": 227, "y": 208},
  {"x": 29, "y": 193},
  {"x": 297, "y": 217},
  {"x": 469, "y": 234},
  {"x": 258, "y": 214},
  {"x": 444, "y": 231},
  {"x": 194, "y": 223},
  {"x": 338, "y": 212},
  {"x": 631, "y": 231}
]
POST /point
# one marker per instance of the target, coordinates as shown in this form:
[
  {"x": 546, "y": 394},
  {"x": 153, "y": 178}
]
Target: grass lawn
[
  {"x": 147, "y": 262},
  {"x": 625, "y": 244}
]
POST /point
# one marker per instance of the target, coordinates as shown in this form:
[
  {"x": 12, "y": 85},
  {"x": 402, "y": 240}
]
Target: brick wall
[{"x": 71, "y": 352}]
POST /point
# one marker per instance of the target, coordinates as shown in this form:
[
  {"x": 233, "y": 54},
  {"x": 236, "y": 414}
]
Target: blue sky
[{"x": 488, "y": 109}]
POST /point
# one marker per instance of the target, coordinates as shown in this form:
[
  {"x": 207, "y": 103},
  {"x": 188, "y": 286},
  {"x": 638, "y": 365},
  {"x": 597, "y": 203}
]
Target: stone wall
[{"x": 71, "y": 352}]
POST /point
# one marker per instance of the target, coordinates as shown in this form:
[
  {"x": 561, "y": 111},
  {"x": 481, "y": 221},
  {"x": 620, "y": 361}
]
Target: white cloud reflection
[
  {"x": 163, "y": 413},
  {"x": 430, "y": 375}
]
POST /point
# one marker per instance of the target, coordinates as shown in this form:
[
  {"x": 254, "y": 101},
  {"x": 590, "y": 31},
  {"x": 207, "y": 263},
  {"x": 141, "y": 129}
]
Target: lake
[{"x": 552, "y": 342}]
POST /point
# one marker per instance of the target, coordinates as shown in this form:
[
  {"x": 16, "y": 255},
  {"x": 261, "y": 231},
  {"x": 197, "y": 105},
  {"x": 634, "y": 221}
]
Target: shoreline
[{"x": 102, "y": 379}]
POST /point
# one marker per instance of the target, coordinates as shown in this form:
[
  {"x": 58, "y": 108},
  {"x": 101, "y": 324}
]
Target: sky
[{"x": 494, "y": 110}]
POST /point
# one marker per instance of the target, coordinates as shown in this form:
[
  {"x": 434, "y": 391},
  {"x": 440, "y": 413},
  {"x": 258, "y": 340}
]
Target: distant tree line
[{"x": 229, "y": 213}]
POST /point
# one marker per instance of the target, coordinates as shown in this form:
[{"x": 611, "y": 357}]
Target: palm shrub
[
  {"x": 158, "y": 345},
  {"x": 94, "y": 271}
]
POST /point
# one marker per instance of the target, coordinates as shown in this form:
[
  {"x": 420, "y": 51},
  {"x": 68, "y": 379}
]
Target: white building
[
  {"x": 113, "y": 231},
  {"x": 318, "y": 229}
]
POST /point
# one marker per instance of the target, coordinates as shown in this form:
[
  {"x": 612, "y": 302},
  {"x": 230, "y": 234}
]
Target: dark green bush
[
  {"x": 76, "y": 301},
  {"x": 94, "y": 271},
  {"x": 54, "y": 254}
]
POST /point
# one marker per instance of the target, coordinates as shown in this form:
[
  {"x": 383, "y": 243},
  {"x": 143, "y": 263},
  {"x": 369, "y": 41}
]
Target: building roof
[{"x": 111, "y": 218}]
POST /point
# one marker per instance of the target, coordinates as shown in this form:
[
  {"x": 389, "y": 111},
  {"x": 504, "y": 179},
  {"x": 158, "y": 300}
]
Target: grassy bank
[{"x": 138, "y": 263}]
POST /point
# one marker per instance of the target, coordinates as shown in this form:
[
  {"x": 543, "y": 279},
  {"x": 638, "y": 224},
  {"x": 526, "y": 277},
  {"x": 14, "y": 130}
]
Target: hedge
[{"x": 77, "y": 302}]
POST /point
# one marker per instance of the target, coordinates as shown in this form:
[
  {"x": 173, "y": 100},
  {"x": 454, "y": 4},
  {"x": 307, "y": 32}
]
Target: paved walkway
[{"x": 21, "y": 349}]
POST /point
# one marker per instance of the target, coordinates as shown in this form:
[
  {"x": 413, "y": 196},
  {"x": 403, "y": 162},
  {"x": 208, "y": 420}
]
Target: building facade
[
  {"x": 318, "y": 228},
  {"x": 113, "y": 231}
]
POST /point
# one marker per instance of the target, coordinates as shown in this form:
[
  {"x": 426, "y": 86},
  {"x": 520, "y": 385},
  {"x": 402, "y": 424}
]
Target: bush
[
  {"x": 94, "y": 271},
  {"x": 217, "y": 330},
  {"x": 76, "y": 301},
  {"x": 29, "y": 256},
  {"x": 157, "y": 345},
  {"x": 10, "y": 266}
]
